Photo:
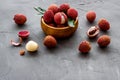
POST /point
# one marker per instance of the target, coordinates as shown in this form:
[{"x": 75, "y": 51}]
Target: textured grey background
[{"x": 64, "y": 62}]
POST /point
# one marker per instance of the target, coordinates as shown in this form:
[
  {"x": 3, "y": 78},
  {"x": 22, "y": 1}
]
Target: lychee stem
[{"x": 40, "y": 10}]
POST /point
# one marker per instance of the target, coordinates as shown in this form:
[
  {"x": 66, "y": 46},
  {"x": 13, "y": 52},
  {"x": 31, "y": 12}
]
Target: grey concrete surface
[{"x": 63, "y": 62}]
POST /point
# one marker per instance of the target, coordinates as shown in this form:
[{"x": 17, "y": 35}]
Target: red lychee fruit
[
  {"x": 72, "y": 13},
  {"x": 104, "y": 24},
  {"x": 90, "y": 15},
  {"x": 49, "y": 41},
  {"x": 60, "y": 18},
  {"x": 103, "y": 40},
  {"x": 48, "y": 16},
  {"x": 54, "y": 8},
  {"x": 84, "y": 47},
  {"x": 64, "y": 7},
  {"x": 20, "y": 19}
]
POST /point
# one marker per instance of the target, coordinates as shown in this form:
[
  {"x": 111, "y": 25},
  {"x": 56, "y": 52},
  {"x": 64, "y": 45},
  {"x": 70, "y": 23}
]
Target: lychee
[
  {"x": 48, "y": 16},
  {"x": 84, "y": 47},
  {"x": 90, "y": 15},
  {"x": 93, "y": 32},
  {"x": 49, "y": 41},
  {"x": 60, "y": 18},
  {"x": 64, "y": 7},
  {"x": 103, "y": 40},
  {"x": 20, "y": 19},
  {"x": 31, "y": 46},
  {"x": 104, "y": 24},
  {"x": 54, "y": 8},
  {"x": 72, "y": 13}
]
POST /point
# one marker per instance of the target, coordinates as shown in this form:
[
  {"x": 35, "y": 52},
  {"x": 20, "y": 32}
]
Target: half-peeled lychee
[{"x": 23, "y": 34}]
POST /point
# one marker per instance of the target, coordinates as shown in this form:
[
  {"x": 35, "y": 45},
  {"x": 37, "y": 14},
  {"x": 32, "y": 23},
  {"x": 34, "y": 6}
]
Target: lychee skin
[
  {"x": 72, "y": 13},
  {"x": 103, "y": 40},
  {"x": 48, "y": 16},
  {"x": 84, "y": 47},
  {"x": 49, "y": 41},
  {"x": 104, "y": 24},
  {"x": 64, "y": 7},
  {"x": 54, "y": 8},
  {"x": 90, "y": 15},
  {"x": 20, "y": 19},
  {"x": 60, "y": 18}
]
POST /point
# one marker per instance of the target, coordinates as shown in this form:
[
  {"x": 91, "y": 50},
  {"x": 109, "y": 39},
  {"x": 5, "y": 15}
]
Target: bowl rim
[{"x": 66, "y": 27}]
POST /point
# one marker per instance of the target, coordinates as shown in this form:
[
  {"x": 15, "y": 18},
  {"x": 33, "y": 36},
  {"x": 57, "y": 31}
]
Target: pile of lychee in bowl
[{"x": 59, "y": 21}]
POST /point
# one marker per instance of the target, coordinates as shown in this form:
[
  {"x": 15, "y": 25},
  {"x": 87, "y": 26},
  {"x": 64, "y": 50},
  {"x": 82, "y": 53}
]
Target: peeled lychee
[
  {"x": 31, "y": 46},
  {"x": 103, "y": 40},
  {"x": 49, "y": 41},
  {"x": 104, "y": 24},
  {"x": 84, "y": 47},
  {"x": 60, "y": 18},
  {"x": 20, "y": 19},
  {"x": 72, "y": 13},
  {"x": 90, "y": 15},
  {"x": 64, "y": 7},
  {"x": 48, "y": 16},
  {"x": 54, "y": 8}
]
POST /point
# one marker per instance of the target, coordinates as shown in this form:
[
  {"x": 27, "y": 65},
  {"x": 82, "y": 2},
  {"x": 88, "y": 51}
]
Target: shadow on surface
[
  {"x": 104, "y": 50},
  {"x": 84, "y": 55},
  {"x": 88, "y": 24},
  {"x": 33, "y": 54},
  {"x": 92, "y": 39},
  {"x": 24, "y": 26}
]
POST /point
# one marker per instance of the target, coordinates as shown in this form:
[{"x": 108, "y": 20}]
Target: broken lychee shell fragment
[
  {"x": 93, "y": 32},
  {"x": 16, "y": 43},
  {"x": 23, "y": 34}
]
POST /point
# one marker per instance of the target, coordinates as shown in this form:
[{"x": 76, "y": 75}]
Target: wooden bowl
[{"x": 58, "y": 32}]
